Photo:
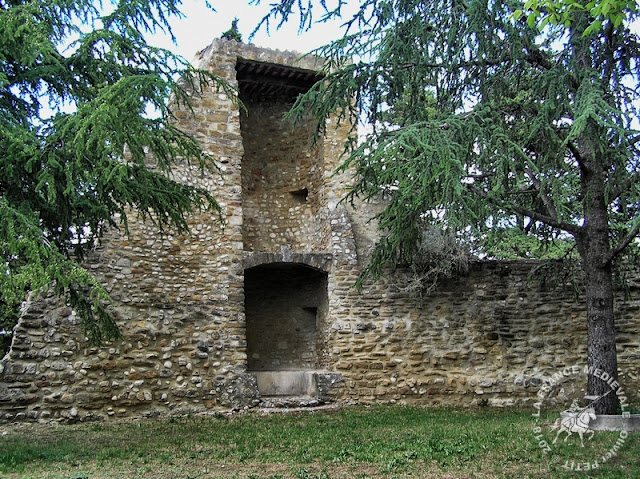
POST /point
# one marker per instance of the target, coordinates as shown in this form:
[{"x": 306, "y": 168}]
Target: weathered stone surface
[
  {"x": 238, "y": 391},
  {"x": 329, "y": 385}
]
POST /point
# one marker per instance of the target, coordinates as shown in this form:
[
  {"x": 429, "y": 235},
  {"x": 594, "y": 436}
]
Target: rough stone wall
[
  {"x": 283, "y": 189},
  {"x": 182, "y": 301},
  {"x": 179, "y": 300},
  {"x": 493, "y": 335}
]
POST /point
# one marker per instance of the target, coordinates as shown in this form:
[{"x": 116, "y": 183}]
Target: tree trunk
[
  {"x": 595, "y": 250},
  {"x": 594, "y": 241},
  {"x": 593, "y": 245},
  {"x": 601, "y": 335}
]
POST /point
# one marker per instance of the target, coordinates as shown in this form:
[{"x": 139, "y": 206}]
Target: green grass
[{"x": 354, "y": 442}]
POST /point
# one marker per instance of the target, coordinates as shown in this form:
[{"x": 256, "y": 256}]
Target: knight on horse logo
[
  {"x": 579, "y": 419},
  {"x": 576, "y": 419}
]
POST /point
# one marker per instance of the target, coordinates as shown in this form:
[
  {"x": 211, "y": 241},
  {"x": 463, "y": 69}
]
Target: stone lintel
[{"x": 319, "y": 261}]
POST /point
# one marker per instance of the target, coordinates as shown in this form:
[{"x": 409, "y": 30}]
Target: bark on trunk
[
  {"x": 594, "y": 247},
  {"x": 601, "y": 337},
  {"x": 595, "y": 250}
]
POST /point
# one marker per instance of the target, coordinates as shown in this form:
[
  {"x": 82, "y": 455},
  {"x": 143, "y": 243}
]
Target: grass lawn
[{"x": 350, "y": 442}]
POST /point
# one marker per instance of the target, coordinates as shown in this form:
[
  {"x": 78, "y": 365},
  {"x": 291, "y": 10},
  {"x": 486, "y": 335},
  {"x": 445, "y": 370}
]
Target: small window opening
[
  {"x": 301, "y": 195},
  {"x": 310, "y": 318}
]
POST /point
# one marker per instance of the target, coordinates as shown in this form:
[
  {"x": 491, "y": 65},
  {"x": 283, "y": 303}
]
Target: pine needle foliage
[
  {"x": 79, "y": 149},
  {"x": 487, "y": 116}
]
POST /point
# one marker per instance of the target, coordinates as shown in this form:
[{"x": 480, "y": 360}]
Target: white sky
[{"x": 202, "y": 25}]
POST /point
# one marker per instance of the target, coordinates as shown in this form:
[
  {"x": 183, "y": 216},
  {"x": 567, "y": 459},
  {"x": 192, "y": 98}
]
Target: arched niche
[{"x": 286, "y": 307}]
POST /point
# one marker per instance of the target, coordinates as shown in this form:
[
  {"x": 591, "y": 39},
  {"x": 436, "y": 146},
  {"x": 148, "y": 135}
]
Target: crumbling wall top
[{"x": 207, "y": 56}]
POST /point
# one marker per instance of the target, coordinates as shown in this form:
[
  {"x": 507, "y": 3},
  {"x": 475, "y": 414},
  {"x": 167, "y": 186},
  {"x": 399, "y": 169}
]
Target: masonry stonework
[{"x": 210, "y": 317}]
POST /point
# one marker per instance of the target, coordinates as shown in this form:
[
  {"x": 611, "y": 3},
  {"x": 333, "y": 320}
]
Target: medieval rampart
[{"x": 230, "y": 316}]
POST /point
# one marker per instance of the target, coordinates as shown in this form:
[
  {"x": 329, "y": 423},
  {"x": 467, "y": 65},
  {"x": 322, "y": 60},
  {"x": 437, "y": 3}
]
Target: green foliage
[
  {"x": 233, "y": 33},
  {"x": 483, "y": 125},
  {"x": 78, "y": 149},
  {"x": 564, "y": 12},
  {"x": 515, "y": 243}
]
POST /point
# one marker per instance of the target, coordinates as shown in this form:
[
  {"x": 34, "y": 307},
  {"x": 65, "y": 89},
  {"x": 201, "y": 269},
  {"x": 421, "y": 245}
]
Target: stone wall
[
  {"x": 271, "y": 288},
  {"x": 282, "y": 182},
  {"x": 492, "y": 336}
]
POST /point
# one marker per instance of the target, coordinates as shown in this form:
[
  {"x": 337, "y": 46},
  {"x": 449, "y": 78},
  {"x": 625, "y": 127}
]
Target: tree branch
[
  {"x": 536, "y": 57},
  {"x": 575, "y": 152},
  {"x": 569, "y": 228},
  {"x": 635, "y": 140},
  {"x": 548, "y": 203},
  {"x": 617, "y": 193},
  {"x": 533, "y": 56},
  {"x": 624, "y": 242}
]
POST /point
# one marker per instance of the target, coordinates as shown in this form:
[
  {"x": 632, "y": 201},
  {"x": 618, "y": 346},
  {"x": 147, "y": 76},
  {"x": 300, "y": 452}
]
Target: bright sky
[{"x": 202, "y": 25}]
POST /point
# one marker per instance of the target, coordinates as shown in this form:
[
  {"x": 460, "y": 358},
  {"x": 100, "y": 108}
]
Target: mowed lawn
[{"x": 347, "y": 442}]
